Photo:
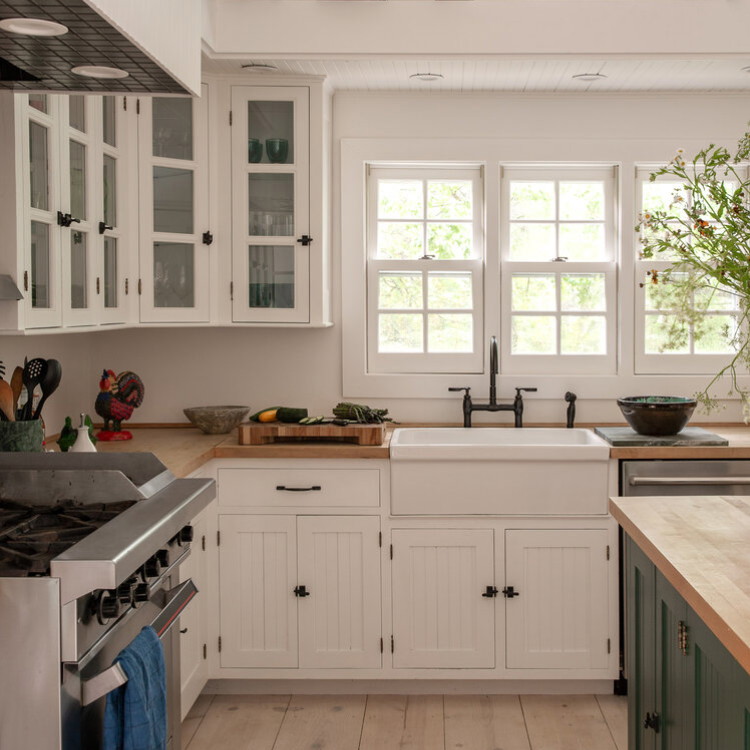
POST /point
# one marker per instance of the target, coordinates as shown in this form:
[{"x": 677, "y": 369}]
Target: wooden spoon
[
  {"x": 6, "y": 401},
  {"x": 16, "y": 385}
]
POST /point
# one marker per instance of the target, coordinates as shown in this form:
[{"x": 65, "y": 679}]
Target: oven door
[
  {"x": 87, "y": 683},
  {"x": 685, "y": 477}
]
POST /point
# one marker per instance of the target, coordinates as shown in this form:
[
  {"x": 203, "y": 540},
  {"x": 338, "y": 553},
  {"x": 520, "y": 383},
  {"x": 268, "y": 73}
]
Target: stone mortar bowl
[
  {"x": 657, "y": 415},
  {"x": 216, "y": 420}
]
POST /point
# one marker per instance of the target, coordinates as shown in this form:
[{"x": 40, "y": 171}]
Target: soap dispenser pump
[{"x": 83, "y": 442}]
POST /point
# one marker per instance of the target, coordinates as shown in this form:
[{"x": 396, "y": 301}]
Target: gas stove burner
[{"x": 32, "y": 535}]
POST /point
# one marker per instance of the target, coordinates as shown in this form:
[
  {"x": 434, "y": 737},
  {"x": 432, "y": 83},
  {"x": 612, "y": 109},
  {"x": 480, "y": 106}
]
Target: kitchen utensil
[
  {"x": 33, "y": 373},
  {"x": 49, "y": 383},
  {"x": 16, "y": 385},
  {"x": 216, "y": 420},
  {"x": 657, "y": 415},
  {"x": 6, "y": 401}
]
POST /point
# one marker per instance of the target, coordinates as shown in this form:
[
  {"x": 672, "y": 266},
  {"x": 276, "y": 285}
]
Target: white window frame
[
  {"x": 425, "y": 362},
  {"x": 662, "y": 363},
  {"x": 563, "y": 364}
]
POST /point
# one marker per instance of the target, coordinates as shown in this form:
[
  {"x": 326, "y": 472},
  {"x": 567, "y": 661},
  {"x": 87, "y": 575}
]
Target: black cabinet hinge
[
  {"x": 138, "y": 106},
  {"x": 381, "y": 645},
  {"x": 98, "y": 290},
  {"x": 230, "y": 118},
  {"x": 219, "y": 644},
  {"x": 125, "y": 103},
  {"x": 218, "y": 538},
  {"x": 205, "y": 651},
  {"x": 140, "y": 287},
  {"x": 203, "y": 542},
  {"x": 127, "y": 286},
  {"x": 26, "y": 281},
  {"x": 607, "y": 552},
  {"x": 380, "y": 538},
  {"x": 391, "y": 551},
  {"x": 231, "y": 291},
  {"x": 609, "y": 645},
  {"x": 393, "y": 644}
]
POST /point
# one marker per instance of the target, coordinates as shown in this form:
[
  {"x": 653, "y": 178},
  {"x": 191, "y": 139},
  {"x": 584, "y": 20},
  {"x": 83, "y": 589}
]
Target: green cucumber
[{"x": 290, "y": 414}]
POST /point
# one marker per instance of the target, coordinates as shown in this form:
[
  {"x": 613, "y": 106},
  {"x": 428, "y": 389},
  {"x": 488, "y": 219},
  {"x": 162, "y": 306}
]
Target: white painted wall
[{"x": 265, "y": 367}]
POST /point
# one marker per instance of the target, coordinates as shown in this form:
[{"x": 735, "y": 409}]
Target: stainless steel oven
[{"x": 90, "y": 549}]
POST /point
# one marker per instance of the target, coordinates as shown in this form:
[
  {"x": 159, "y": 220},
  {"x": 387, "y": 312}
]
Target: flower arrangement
[{"x": 704, "y": 233}]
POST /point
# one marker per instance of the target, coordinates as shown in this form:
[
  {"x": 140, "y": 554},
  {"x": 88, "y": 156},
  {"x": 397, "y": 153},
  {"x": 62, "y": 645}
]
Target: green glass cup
[
  {"x": 277, "y": 150},
  {"x": 254, "y": 150}
]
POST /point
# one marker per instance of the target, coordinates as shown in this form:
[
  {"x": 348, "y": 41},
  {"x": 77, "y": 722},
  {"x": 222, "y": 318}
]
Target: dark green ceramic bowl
[{"x": 657, "y": 415}]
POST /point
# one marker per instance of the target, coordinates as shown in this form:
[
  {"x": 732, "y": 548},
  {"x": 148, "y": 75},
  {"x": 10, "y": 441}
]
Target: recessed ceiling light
[
  {"x": 427, "y": 76},
  {"x": 587, "y": 77},
  {"x": 99, "y": 71},
  {"x": 260, "y": 67},
  {"x": 33, "y": 26}
]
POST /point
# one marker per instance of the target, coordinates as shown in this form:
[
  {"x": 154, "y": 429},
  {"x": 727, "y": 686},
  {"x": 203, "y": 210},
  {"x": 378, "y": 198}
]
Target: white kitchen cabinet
[
  {"x": 279, "y": 188},
  {"x": 440, "y": 618},
  {"x": 73, "y": 209},
  {"x": 194, "y": 620},
  {"x": 559, "y": 616},
  {"x": 175, "y": 239},
  {"x": 299, "y": 591}
]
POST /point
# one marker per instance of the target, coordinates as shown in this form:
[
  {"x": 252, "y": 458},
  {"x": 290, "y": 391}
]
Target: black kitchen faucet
[{"x": 469, "y": 406}]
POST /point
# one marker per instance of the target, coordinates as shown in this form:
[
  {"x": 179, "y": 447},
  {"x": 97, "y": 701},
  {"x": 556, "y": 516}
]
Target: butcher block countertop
[{"x": 702, "y": 547}]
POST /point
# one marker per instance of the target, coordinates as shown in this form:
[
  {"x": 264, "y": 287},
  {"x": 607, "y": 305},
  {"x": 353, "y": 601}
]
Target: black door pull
[
  {"x": 509, "y": 592},
  {"x": 284, "y": 488},
  {"x": 301, "y": 591},
  {"x": 490, "y": 591}
]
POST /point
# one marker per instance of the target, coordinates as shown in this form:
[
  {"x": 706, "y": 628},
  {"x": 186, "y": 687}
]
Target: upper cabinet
[
  {"x": 279, "y": 206},
  {"x": 72, "y": 210},
  {"x": 175, "y": 238},
  {"x": 168, "y": 211}
]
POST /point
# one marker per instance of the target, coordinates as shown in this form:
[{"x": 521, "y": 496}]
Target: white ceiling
[{"x": 514, "y": 74}]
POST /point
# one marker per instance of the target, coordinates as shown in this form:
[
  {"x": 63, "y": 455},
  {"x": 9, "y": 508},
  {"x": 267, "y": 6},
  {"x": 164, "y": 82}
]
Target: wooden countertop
[{"x": 702, "y": 547}]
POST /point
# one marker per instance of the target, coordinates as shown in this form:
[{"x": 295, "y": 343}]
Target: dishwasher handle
[{"x": 685, "y": 481}]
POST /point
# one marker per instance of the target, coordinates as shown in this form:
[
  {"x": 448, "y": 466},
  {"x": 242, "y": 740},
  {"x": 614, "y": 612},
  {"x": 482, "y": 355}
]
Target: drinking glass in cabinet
[
  {"x": 271, "y": 276},
  {"x": 174, "y": 283},
  {"x": 172, "y": 127},
  {"x": 254, "y": 150},
  {"x": 270, "y": 205},
  {"x": 272, "y": 121},
  {"x": 40, "y": 265}
]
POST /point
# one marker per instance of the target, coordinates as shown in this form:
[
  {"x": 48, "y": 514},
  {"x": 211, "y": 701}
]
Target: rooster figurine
[{"x": 119, "y": 396}]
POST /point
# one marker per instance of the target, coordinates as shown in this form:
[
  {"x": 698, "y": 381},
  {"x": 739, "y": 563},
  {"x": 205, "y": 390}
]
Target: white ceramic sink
[
  {"x": 483, "y": 443},
  {"x": 527, "y": 471}
]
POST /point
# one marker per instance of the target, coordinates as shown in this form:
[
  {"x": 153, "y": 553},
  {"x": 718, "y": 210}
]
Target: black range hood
[{"x": 44, "y": 63}]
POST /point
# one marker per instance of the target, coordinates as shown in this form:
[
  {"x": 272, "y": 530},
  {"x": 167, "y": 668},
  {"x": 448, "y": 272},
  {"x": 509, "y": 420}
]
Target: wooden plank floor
[{"x": 406, "y": 722}]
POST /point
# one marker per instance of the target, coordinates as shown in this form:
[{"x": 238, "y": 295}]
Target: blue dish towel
[{"x": 135, "y": 717}]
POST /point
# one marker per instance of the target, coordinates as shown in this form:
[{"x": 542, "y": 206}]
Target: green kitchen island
[{"x": 687, "y": 600}]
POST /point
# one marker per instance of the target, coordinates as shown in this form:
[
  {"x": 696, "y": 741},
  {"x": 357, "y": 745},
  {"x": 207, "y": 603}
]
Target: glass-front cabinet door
[
  {"x": 39, "y": 124},
  {"x": 174, "y": 280},
  {"x": 271, "y": 208}
]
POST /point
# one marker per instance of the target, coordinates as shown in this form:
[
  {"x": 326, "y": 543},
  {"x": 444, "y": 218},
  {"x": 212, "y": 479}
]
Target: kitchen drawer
[{"x": 281, "y": 487}]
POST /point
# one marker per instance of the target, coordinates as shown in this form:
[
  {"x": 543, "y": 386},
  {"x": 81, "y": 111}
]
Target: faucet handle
[
  {"x": 530, "y": 390},
  {"x": 460, "y": 388}
]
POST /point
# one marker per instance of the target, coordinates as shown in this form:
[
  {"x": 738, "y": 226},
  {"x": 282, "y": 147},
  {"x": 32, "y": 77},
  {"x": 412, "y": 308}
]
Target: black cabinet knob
[
  {"x": 509, "y": 592},
  {"x": 125, "y": 591},
  {"x": 301, "y": 591},
  {"x": 489, "y": 592},
  {"x": 142, "y": 593}
]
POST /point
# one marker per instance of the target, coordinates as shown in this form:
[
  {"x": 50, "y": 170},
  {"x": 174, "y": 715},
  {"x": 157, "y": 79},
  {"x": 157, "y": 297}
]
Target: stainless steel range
[{"x": 90, "y": 546}]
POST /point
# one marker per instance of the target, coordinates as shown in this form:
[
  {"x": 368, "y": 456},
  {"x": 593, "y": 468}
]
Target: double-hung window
[
  {"x": 558, "y": 267},
  {"x": 664, "y": 343},
  {"x": 425, "y": 251}
]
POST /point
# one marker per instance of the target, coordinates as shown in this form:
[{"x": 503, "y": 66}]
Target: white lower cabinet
[
  {"x": 193, "y": 620},
  {"x": 300, "y": 591},
  {"x": 559, "y": 616},
  {"x": 440, "y": 618}
]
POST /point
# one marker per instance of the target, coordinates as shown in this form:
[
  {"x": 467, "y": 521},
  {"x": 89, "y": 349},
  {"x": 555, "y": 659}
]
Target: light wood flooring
[{"x": 406, "y": 722}]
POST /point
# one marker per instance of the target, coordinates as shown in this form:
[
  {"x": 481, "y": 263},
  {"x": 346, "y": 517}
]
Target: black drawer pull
[{"x": 284, "y": 488}]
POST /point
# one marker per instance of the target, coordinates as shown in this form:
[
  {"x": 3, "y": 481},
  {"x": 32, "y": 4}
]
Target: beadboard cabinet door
[
  {"x": 258, "y": 574},
  {"x": 559, "y": 617},
  {"x": 339, "y": 561},
  {"x": 440, "y": 618}
]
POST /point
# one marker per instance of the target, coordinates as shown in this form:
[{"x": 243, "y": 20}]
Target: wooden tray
[{"x": 253, "y": 433}]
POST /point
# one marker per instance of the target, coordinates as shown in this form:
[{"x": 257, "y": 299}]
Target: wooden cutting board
[{"x": 253, "y": 433}]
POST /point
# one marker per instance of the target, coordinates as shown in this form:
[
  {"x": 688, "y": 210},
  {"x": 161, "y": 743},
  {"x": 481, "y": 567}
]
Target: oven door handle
[
  {"x": 113, "y": 677},
  {"x": 683, "y": 481}
]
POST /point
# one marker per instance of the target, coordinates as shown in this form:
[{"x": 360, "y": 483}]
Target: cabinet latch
[
  {"x": 207, "y": 238},
  {"x": 652, "y": 722},
  {"x": 103, "y": 227},
  {"x": 65, "y": 220},
  {"x": 509, "y": 592},
  {"x": 301, "y": 591},
  {"x": 305, "y": 240},
  {"x": 490, "y": 591}
]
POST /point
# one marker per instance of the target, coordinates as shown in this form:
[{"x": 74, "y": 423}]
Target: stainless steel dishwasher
[{"x": 685, "y": 477}]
